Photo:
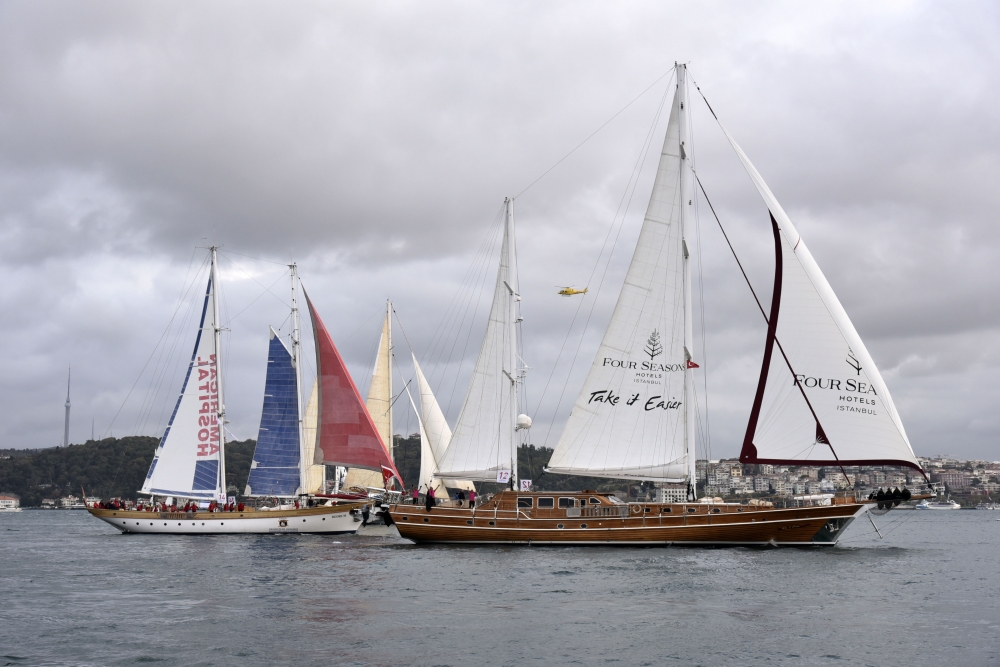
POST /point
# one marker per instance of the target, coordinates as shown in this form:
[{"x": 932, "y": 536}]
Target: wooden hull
[
  {"x": 686, "y": 525},
  {"x": 337, "y": 519}
]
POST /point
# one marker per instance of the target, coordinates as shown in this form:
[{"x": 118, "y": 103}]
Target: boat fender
[{"x": 905, "y": 495}]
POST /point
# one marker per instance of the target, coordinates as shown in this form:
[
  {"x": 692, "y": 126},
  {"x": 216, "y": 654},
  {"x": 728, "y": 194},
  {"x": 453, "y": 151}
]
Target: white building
[
  {"x": 671, "y": 494},
  {"x": 8, "y": 502}
]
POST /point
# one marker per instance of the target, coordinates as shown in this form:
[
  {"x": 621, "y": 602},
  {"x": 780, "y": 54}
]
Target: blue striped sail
[{"x": 275, "y": 467}]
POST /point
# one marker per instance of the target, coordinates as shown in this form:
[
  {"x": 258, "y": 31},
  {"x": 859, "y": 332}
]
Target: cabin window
[
  {"x": 648, "y": 509},
  {"x": 468, "y": 521},
  {"x": 715, "y": 510},
  {"x": 690, "y": 510},
  {"x": 546, "y": 502},
  {"x": 666, "y": 510},
  {"x": 567, "y": 502},
  {"x": 560, "y": 526},
  {"x": 595, "y": 501},
  {"x": 524, "y": 501},
  {"x": 583, "y": 525}
]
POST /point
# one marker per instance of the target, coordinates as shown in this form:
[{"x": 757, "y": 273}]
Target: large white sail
[
  {"x": 632, "y": 418},
  {"x": 483, "y": 443},
  {"x": 428, "y": 462},
  {"x": 188, "y": 461},
  {"x": 379, "y": 404},
  {"x": 820, "y": 399},
  {"x": 314, "y": 472},
  {"x": 435, "y": 434}
]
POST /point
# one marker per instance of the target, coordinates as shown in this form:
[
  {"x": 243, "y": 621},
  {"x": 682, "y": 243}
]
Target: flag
[
  {"x": 691, "y": 364},
  {"x": 387, "y": 474}
]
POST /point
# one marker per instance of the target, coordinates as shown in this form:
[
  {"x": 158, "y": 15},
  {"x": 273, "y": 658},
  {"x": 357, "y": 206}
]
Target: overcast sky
[{"x": 374, "y": 143}]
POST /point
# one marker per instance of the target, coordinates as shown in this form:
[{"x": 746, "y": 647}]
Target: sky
[{"x": 374, "y": 143}]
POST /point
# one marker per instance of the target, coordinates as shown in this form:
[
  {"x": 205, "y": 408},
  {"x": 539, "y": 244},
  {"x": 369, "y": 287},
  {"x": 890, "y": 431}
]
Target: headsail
[
  {"x": 188, "y": 461},
  {"x": 275, "y": 467},
  {"x": 315, "y": 474},
  {"x": 379, "y": 403},
  {"x": 820, "y": 399},
  {"x": 483, "y": 443},
  {"x": 346, "y": 433},
  {"x": 435, "y": 435},
  {"x": 632, "y": 418},
  {"x": 428, "y": 462}
]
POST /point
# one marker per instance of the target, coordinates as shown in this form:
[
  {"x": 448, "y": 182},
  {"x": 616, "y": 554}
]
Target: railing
[{"x": 605, "y": 511}]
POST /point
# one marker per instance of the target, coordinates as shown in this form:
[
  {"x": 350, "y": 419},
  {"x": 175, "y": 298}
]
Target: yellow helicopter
[{"x": 569, "y": 291}]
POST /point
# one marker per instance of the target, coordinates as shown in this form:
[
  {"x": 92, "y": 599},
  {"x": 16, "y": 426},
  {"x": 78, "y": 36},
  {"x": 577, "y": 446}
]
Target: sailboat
[
  {"x": 820, "y": 399},
  {"x": 189, "y": 462}
]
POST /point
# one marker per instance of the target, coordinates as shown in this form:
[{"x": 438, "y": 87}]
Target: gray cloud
[{"x": 374, "y": 145}]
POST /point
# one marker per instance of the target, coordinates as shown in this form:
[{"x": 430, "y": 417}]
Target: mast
[
  {"x": 221, "y": 416},
  {"x": 66, "y": 424},
  {"x": 296, "y": 356},
  {"x": 511, "y": 349},
  {"x": 685, "y": 193},
  {"x": 388, "y": 375}
]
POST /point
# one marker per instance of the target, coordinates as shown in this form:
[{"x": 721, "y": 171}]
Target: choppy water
[{"x": 75, "y": 592}]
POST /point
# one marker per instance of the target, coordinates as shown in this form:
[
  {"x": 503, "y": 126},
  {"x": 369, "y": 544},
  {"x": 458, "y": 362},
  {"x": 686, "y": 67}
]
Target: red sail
[{"x": 346, "y": 435}]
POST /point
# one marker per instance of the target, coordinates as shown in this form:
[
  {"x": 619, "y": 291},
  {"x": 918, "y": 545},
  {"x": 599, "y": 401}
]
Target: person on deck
[
  {"x": 416, "y": 495},
  {"x": 461, "y": 498},
  {"x": 472, "y": 499},
  {"x": 365, "y": 513},
  {"x": 430, "y": 499}
]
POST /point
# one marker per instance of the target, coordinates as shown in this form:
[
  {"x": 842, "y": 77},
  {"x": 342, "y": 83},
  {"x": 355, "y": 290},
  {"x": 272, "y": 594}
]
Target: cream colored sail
[
  {"x": 428, "y": 463},
  {"x": 435, "y": 435},
  {"x": 379, "y": 404},
  {"x": 314, "y": 473},
  {"x": 631, "y": 418}
]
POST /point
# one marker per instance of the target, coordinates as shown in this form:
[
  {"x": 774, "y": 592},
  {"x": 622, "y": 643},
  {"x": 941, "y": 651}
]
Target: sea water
[{"x": 73, "y": 591}]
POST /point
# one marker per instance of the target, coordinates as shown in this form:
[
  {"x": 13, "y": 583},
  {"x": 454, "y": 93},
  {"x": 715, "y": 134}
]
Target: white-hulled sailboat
[
  {"x": 820, "y": 401},
  {"x": 189, "y": 463}
]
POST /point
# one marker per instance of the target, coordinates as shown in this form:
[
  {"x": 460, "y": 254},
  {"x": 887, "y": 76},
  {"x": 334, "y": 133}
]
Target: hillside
[
  {"x": 105, "y": 468},
  {"x": 117, "y": 466}
]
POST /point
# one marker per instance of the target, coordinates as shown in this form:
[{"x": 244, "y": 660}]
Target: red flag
[
  {"x": 691, "y": 364},
  {"x": 387, "y": 474}
]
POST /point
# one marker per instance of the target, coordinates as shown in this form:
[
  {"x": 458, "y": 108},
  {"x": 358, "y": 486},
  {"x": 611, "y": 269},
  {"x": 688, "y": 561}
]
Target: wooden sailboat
[
  {"x": 291, "y": 453},
  {"x": 820, "y": 399}
]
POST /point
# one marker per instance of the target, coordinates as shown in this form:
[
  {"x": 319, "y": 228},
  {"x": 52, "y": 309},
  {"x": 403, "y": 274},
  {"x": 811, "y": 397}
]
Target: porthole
[
  {"x": 164, "y": 523},
  {"x": 666, "y": 510},
  {"x": 716, "y": 510},
  {"x": 468, "y": 521},
  {"x": 427, "y": 520},
  {"x": 648, "y": 509},
  {"x": 406, "y": 518},
  {"x": 151, "y": 523},
  {"x": 583, "y": 525},
  {"x": 739, "y": 509},
  {"x": 223, "y": 524},
  {"x": 303, "y": 520},
  {"x": 324, "y": 518},
  {"x": 178, "y": 523},
  {"x": 493, "y": 523},
  {"x": 560, "y": 526},
  {"x": 690, "y": 510}
]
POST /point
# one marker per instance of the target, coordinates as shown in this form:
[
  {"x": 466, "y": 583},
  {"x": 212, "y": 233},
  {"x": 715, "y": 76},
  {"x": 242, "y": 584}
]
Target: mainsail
[
  {"x": 633, "y": 416},
  {"x": 188, "y": 462},
  {"x": 346, "y": 433},
  {"x": 315, "y": 474},
  {"x": 435, "y": 435},
  {"x": 379, "y": 404},
  {"x": 820, "y": 398},
  {"x": 483, "y": 444},
  {"x": 275, "y": 467}
]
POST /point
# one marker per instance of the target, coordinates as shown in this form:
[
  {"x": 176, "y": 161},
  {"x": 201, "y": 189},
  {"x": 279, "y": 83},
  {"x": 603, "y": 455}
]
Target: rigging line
[
  {"x": 642, "y": 153},
  {"x": 266, "y": 290},
  {"x": 151, "y": 354},
  {"x": 646, "y": 90},
  {"x": 259, "y": 259},
  {"x": 639, "y": 162}
]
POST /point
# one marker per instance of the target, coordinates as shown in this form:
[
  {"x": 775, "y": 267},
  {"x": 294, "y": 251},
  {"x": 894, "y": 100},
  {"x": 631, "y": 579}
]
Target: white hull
[
  {"x": 328, "y": 520},
  {"x": 950, "y": 505},
  {"x": 10, "y": 509}
]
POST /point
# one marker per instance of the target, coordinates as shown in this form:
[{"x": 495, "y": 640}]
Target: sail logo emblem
[
  {"x": 852, "y": 361},
  {"x": 653, "y": 347}
]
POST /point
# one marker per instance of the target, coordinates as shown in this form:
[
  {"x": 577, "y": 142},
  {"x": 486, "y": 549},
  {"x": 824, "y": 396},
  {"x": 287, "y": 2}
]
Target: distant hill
[
  {"x": 106, "y": 468},
  {"x": 116, "y": 467}
]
